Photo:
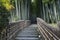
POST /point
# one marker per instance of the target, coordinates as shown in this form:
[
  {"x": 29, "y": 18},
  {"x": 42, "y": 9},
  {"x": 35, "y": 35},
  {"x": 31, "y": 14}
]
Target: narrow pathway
[{"x": 29, "y": 33}]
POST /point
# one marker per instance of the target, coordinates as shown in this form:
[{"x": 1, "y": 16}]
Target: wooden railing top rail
[{"x": 18, "y": 21}]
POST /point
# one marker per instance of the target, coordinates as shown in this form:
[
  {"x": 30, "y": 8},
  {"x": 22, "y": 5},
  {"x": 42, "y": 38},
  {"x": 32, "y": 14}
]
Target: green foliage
[
  {"x": 48, "y": 1},
  {"x": 3, "y": 20},
  {"x": 45, "y": 1},
  {"x": 6, "y": 4},
  {"x": 5, "y": 7}
]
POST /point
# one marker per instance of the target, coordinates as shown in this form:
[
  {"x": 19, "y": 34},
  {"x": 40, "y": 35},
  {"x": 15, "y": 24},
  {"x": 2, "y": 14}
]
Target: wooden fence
[
  {"x": 10, "y": 32},
  {"x": 46, "y": 30}
]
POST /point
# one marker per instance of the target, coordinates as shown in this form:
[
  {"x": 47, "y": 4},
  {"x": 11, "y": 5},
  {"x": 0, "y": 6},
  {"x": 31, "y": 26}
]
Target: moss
[{"x": 54, "y": 25}]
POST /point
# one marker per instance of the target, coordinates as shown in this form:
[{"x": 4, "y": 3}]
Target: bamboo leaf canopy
[
  {"x": 47, "y": 1},
  {"x": 6, "y": 4}
]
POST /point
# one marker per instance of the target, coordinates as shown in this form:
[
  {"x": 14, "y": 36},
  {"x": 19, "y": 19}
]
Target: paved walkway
[{"x": 29, "y": 33}]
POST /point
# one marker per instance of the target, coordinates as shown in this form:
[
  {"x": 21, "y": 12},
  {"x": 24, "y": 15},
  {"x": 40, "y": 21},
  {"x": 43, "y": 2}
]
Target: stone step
[
  {"x": 29, "y": 30},
  {"x": 28, "y": 36},
  {"x": 29, "y": 33},
  {"x": 18, "y": 38}
]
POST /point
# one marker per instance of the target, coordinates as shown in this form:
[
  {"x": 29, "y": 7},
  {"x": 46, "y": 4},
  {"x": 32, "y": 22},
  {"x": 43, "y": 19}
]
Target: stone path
[{"x": 29, "y": 33}]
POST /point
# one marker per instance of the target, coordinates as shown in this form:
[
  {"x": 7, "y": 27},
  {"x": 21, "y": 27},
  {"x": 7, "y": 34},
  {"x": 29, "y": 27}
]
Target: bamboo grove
[{"x": 49, "y": 10}]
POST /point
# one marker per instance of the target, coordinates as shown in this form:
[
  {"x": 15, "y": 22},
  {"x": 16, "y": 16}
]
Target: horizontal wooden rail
[
  {"x": 45, "y": 31},
  {"x": 10, "y": 32}
]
